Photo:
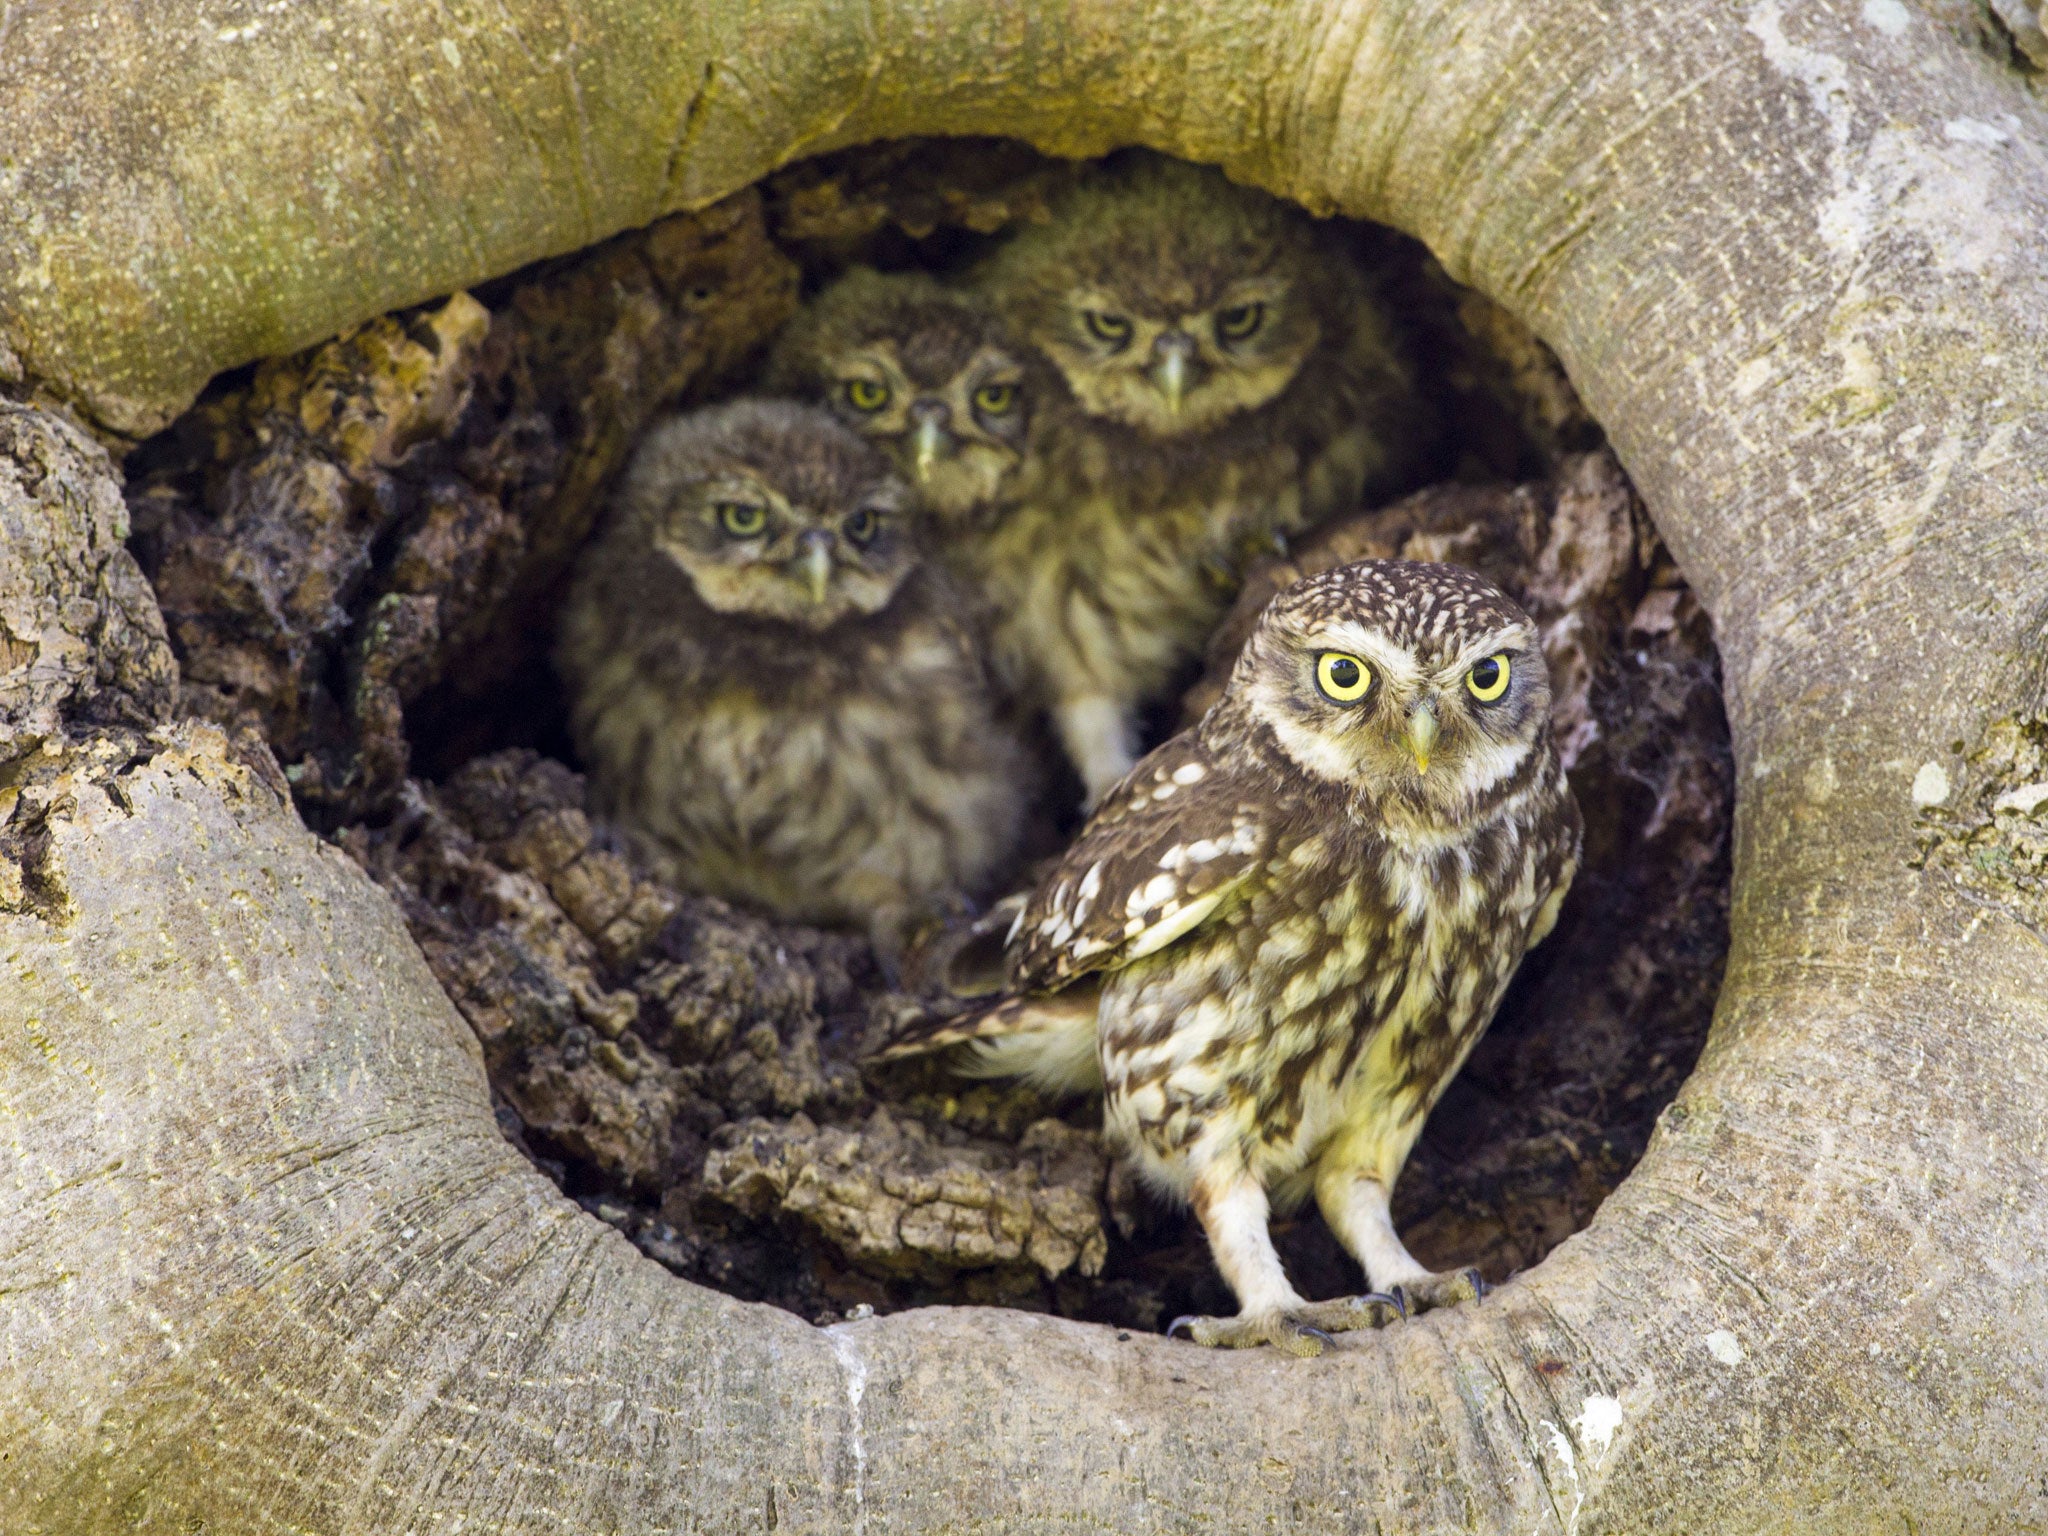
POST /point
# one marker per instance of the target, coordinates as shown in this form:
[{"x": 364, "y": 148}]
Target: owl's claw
[
  {"x": 1279, "y": 1329},
  {"x": 1304, "y": 1331},
  {"x": 1444, "y": 1290},
  {"x": 1369, "y": 1309}
]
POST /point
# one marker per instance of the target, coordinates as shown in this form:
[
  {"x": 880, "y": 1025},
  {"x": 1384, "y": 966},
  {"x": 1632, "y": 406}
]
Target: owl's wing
[{"x": 1161, "y": 853}]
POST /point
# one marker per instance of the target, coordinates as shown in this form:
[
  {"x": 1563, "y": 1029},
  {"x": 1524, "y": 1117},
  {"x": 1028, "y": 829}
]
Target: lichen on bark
[{"x": 1983, "y": 818}]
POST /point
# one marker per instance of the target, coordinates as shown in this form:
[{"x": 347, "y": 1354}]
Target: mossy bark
[{"x": 264, "y": 1263}]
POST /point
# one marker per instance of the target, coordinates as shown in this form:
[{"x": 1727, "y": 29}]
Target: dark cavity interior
[{"x": 360, "y": 549}]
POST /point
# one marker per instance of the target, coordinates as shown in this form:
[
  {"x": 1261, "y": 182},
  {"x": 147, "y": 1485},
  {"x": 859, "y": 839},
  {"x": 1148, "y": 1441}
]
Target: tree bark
[{"x": 266, "y": 1264}]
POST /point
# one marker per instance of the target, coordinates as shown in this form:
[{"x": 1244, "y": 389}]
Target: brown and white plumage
[
  {"x": 1229, "y": 380},
  {"x": 773, "y": 689},
  {"x": 922, "y": 369},
  {"x": 1286, "y": 928}
]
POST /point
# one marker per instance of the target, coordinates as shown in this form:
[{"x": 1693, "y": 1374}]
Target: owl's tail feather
[{"x": 1048, "y": 1041}]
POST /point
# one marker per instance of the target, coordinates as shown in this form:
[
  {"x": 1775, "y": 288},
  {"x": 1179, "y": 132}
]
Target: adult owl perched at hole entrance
[
  {"x": 922, "y": 369},
  {"x": 773, "y": 690},
  {"x": 1279, "y": 937},
  {"x": 1232, "y": 381}
]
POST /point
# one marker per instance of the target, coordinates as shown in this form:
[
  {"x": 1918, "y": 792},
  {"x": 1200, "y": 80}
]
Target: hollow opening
[{"x": 361, "y": 551}]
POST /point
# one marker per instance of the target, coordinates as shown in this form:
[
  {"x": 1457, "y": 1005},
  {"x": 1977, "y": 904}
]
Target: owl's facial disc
[
  {"x": 1425, "y": 728},
  {"x": 748, "y": 550},
  {"x": 954, "y": 437},
  {"x": 1186, "y": 359}
]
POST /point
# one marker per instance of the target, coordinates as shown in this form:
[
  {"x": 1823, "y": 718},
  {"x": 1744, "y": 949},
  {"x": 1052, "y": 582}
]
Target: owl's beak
[
  {"x": 1422, "y": 728},
  {"x": 1173, "y": 358},
  {"x": 928, "y": 444},
  {"x": 816, "y": 562}
]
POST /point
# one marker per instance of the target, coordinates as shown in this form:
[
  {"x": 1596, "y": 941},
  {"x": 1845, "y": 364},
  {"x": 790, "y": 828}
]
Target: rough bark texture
[
  {"x": 269, "y": 1265},
  {"x": 80, "y": 632}
]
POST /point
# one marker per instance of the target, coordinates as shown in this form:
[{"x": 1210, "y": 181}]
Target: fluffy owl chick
[
  {"x": 1232, "y": 381},
  {"x": 924, "y": 370},
  {"x": 772, "y": 691},
  {"x": 1278, "y": 939}
]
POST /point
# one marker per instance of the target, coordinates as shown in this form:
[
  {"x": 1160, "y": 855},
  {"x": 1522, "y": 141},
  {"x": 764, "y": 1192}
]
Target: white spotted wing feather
[{"x": 1169, "y": 845}]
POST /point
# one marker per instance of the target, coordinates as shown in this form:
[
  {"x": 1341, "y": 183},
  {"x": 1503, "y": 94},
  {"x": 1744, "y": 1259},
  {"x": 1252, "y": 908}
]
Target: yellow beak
[
  {"x": 929, "y": 439},
  {"x": 1170, "y": 373},
  {"x": 818, "y": 569},
  {"x": 1422, "y": 730}
]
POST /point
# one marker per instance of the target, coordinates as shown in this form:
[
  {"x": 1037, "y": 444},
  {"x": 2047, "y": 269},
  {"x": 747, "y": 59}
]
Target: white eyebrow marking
[
  {"x": 1396, "y": 665},
  {"x": 1517, "y": 637}
]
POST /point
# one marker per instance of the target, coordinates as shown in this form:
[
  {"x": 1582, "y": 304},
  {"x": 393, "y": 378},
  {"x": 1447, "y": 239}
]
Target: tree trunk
[{"x": 265, "y": 1262}]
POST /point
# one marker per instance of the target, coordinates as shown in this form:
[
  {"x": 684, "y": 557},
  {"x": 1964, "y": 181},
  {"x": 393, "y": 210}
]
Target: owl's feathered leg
[
  {"x": 1355, "y": 1204},
  {"x": 1101, "y": 740},
  {"x": 1234, "y": 1213}
]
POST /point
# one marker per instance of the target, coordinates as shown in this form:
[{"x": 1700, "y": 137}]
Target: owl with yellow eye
[
  {"x": 924, "y": 371},
  {"x": 777, "y": 694},
  {"x": 1229, "y": 380},
  {"x": 1277, "y": 939}
]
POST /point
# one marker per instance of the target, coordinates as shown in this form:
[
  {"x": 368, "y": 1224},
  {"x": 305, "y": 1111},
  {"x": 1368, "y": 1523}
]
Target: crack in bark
[
  {"x": 854, "y": 1371},
  {"x": 688, "y": 128}
]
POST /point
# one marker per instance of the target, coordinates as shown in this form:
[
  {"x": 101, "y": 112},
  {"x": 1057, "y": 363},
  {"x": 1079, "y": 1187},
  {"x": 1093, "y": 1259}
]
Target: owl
[
  {"x": 1229, "y": 380},
  {"x": 1279, "y": 937},
  {"x": 776, "y": 695},
  {"x": 922, "y": 369}
]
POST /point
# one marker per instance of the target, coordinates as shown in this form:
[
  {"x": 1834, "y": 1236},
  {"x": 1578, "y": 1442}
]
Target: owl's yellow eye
[
  {"x": 1239, "y": 321},
  {"x": 742, "y": 519},
  {"x": 1488, "y": 679},
  {"x": 866, "y": 394},
  {"x": 862, "y": 525},
  {"x": 1343, "y": 678},
  {"x": 995, "y": 399},
  {"x": 1105, "y": 327}
]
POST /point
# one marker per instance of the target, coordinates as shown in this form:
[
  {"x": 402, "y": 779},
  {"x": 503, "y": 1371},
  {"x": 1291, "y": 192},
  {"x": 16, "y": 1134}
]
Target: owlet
[
  {"x": 925, "y": 371},
  {"x": 1277, "y": 940},
  {"x": 1231, "y": 381},
  {"x": 773, "y": 691}
]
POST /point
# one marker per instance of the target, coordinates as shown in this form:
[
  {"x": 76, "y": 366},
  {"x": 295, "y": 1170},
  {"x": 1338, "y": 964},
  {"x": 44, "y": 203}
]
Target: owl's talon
[
  {"x": 1394, "y": 1297},
  {"x": 1248, "y": 1330},
  {"x": 1304, "y": 1331},
  {"x": 1348, "y": 1314},
  {"x": 1445, "y": 1290}
]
